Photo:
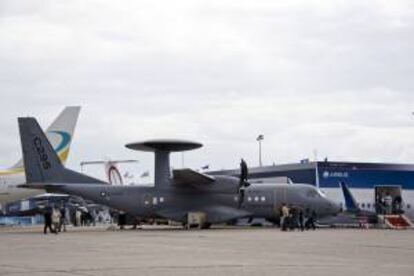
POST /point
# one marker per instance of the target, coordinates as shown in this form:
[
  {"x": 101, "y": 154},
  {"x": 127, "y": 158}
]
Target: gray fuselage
[{"x": 260, "y": 201}]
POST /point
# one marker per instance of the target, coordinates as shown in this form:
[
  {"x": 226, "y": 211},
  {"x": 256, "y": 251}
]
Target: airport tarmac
[{"x": 247, "y": 251}]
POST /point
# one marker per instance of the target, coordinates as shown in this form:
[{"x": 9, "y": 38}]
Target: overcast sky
[{"x": 332, "y": 76}]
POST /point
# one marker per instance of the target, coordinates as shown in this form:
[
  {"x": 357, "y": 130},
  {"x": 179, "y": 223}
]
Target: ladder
[{"x": 396, "y": 221}]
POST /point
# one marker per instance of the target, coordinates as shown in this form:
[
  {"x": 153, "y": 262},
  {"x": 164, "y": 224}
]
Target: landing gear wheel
[{"x": 206, "y": 225}]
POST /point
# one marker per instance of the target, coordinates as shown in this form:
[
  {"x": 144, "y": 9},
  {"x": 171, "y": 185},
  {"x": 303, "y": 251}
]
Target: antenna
[{"x": 162, "y": 150}]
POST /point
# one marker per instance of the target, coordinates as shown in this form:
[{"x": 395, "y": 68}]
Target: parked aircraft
[
  {"x": 112, "y": 172},
  {"x": 369, "y": 182},
  {"x": 60, "y": 134},
  {"x": 219, "y": 198},
  {"x": 354, "y": 215},
  {"x": 353, "y": 210}
]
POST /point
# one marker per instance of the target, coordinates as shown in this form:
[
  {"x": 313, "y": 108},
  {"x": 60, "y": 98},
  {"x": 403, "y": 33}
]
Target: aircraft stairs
[{"x": 396, "y": 221}]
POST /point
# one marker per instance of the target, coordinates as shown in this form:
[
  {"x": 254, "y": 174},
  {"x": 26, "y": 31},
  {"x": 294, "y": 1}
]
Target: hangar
[
  {"x": 369, "y": 182},
  {"x": 327, "y": 174}
]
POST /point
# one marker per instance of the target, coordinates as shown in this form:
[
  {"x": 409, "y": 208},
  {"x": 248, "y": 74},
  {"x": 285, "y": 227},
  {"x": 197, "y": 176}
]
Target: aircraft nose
[
  {"x": 332, "y": 208},
  {"x": 335, "y": 207}
]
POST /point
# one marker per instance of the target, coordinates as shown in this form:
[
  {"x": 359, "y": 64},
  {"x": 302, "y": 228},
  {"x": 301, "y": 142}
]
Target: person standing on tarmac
[
  {"x": 300, "y": 218},
  {"x": 78, "y": 215},
  {"x": 122, "y": 220},
  {"x": 56, "y": 219},
  {"x": 284, "y": 217},
  {"x": 388, "y": 204},
  {"x": 47, "y": 220},
  {"x": 310, "y": 223},
  {"x": 62, "y": 223}
]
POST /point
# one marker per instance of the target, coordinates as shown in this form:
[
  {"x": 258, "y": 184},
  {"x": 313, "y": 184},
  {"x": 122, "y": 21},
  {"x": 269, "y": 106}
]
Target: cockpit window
[
  {"x": 321, "y": 193},
  {"x": 315, "y": 193},
  {"x": 312, "y": 193}
]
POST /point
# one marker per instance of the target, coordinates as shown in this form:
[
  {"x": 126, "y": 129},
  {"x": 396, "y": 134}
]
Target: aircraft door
[
  {"x": 279, "y": 198},
  {"x": 388, "y": 199}
]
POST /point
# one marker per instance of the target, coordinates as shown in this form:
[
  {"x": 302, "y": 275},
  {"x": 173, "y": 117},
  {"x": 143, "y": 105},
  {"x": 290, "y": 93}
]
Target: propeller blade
[{"x": 243, "y": 183}]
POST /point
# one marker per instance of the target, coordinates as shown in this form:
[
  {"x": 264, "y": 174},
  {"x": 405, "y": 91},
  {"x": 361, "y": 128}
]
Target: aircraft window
[
  {"x": 263, "y": 198},
  {"x": 249, "y": 199},
  {"x": 154, "y": 201},
  {"x": 363, "y": 205},
  {"x": 161, "y": 199},
  {"x": 256, "y": 198},
  {"x": 408, "y": 206},
  {"x": 368, "y": 205}
]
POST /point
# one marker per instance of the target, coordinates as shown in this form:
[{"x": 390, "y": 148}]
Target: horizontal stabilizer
[
  {"x": 188, "y": 177},
  {"x": 50, "y": 188}
]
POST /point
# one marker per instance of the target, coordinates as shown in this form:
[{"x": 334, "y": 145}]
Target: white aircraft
[
  {"x": 60, "y": 134},
  {"x": 112, "y": 172}
]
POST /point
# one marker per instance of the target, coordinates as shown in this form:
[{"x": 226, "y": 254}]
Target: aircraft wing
[{"x": 188, "y": 177}]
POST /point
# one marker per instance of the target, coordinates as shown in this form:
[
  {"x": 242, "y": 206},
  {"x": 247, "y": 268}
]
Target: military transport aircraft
[{"x": 218, "y": 198}]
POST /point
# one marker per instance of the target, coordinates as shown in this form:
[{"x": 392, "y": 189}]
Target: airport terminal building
[{"x": 328, "y": 174}]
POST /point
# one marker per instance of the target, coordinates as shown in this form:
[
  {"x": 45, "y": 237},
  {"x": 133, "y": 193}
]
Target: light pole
[{"x": 260, "y": 139}]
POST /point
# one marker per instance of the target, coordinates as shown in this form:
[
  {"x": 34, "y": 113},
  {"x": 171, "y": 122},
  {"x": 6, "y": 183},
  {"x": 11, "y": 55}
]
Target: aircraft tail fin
[
  {"x": 41, "y": 163},
  {"x": 60, "y": 133},
  {"x": 351, "y": 204}
]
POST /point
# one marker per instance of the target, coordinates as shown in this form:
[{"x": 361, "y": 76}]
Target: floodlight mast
[{"x": 259, "y": 139}]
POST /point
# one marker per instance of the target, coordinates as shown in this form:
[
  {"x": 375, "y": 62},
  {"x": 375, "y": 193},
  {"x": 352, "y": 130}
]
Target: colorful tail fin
[
  {"x": 60, "y": 133},
  {"x": 42, "y": 164}
]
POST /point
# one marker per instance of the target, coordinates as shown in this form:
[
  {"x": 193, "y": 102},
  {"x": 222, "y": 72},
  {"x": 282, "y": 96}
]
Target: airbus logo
[{"x": 327, "y": 174}]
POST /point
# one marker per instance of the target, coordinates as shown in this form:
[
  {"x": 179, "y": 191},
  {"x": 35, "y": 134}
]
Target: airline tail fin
[
  {"x": 351, "y": 204},
  {"x": 42, "y": 164},
  {"x": 60, "y": 133}
]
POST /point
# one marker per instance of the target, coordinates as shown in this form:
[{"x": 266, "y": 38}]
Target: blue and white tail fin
[
  {"x": 60, "y": 133},
  {"x": 41, "y": 163},
  {"x": 351, "y": 204}
]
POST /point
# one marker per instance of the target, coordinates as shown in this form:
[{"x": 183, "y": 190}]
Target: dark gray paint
[{"x": 171, "y": 197}]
